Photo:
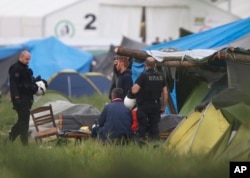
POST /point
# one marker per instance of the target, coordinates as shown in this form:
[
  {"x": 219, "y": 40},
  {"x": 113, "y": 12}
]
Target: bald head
[
  {"x": 25, "y": 57},
  {"x": 150, "y": 62}
]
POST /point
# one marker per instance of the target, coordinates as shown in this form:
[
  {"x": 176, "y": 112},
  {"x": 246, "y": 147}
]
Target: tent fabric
[
  {"x": 49, "y": 96},
  {"x": 234, "y": 33},
  {"x": 104, "y": 62},
  {"x": 208, "y": 39},
  {"x": 238, "y": 112},
  {"x": 48, "y": 56},
  {"x": 169, "y": 121},
  {"x": 10, "y": 50},
  {"x": 221, "y": 129},
  {"x": 127, "y": 16},
  {"x": 242, "y": 42},
  {"x": 127, "y": 42},
  {"x": 193, "y": 133},
  {"x": 61, "y": 104},
  {"x": 182, "y": 135},
  {"x": 5, "y": 63},
  {"x": 214, "y": 130},
  {"x": 238, "y": 149},
  {"x": 179, "y": 14},
  {"x": 99, "y": 80},
  {"x": 74, "y": 84},
  {"x": 195, "y": 55},
  {"x": 198, "y": 93},
  {"x": 238, "y": 85},
  {"x": 214, "y": 120}
]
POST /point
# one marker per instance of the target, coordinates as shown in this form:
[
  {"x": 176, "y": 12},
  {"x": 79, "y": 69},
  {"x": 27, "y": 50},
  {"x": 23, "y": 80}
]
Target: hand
[
  {"x": 131, "y": 95},
  {"x": 162, "y": 110}
]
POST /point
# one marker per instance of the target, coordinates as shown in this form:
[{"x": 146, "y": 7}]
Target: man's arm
[
  {"x": 164, "y": 98},
  {"x": 135, "y": 88},
  {"x": 102, "y": 117},
  {"x": 14, "y": 81}
]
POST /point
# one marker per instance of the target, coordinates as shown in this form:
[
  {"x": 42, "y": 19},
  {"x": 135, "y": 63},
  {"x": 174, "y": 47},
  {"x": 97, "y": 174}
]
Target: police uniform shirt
[
  {"x": 21, "y": 80},
  {"x": 151, "y": 83}
]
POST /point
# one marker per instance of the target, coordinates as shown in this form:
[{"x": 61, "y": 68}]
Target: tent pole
[{"x": 69, "y": 86}]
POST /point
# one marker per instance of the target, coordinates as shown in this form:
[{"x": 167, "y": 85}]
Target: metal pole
[{"x": 69, "y": 86}]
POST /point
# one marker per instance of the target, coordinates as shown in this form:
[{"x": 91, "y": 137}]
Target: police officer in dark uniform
[
  {"x": 149, "y": 87},
  {"x": 22, "y": 89}
]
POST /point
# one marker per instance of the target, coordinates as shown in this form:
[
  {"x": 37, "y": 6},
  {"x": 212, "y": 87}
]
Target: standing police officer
[
  {"x": 22, "y": 88},
  {"x": 149, "y": 87}
]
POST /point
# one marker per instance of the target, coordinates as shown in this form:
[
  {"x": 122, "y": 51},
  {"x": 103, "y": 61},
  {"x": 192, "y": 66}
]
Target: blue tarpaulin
[
  {"x": 49, "y": 56},
  {"x": 209, "y": 39}
]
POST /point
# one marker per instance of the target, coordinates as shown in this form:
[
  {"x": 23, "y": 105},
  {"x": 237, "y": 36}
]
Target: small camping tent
[
  {"x": 73, "y": 84},
  {"x": 99, "y": 80}
]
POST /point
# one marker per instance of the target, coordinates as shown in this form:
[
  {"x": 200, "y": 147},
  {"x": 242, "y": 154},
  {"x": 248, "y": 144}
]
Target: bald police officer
[
  {"x": 149, "y": 87},
  {"x": 22, "y": 89}
]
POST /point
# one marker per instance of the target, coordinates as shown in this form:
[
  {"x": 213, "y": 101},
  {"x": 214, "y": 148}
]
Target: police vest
[{"x": 152, "y": 88}]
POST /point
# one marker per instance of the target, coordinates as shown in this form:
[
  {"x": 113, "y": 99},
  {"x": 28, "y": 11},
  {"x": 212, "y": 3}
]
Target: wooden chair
[{"x": 44, "y": 122}]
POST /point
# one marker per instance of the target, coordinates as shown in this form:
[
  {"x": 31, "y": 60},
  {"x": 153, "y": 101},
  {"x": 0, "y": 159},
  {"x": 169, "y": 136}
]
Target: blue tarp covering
[
  {"x": 213, "y": 38},
  {"x": 10, "y": 50},
  {"x": 49, "y": 56},
  {"x": 208, "y": 39}
]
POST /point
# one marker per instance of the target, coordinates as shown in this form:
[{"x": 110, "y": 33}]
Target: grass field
[{"x": 91, "y": 159}]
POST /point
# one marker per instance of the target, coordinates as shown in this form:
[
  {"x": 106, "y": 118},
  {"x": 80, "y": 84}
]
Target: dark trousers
[
  {"x": 148, "y": 116},
  {"x": 21, "y": 127}
]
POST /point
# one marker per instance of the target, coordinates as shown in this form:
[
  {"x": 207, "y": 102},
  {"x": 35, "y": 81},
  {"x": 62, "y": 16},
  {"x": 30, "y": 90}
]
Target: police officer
[
  {"x": 149, "y": 87},
  {"x": 22, "y": 88}
]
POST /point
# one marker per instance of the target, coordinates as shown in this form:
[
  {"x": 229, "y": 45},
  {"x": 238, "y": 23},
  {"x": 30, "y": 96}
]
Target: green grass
[{"x": 91, "y": 159}]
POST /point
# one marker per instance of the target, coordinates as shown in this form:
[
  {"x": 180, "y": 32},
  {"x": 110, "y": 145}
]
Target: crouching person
[{"x": 114, "y": 123}]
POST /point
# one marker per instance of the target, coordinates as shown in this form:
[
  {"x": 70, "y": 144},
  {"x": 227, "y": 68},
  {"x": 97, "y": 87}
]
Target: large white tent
[
  {"x": 104, "y": 22},
  {"x": 237, "y": 7}
]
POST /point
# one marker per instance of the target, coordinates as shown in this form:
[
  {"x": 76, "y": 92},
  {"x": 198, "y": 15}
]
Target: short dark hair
[{"x": 117, "y": 92}]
